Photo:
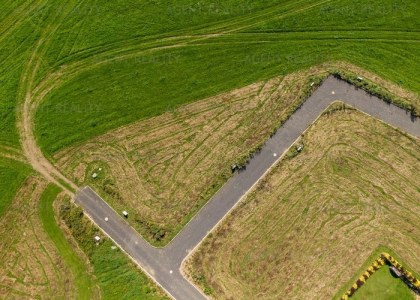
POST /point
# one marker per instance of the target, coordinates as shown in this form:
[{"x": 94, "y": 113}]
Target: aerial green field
[
  {"x": 76, "y": 72},
  {"x": 173, "y": 160},
  {"x": 87, "y": 77}
]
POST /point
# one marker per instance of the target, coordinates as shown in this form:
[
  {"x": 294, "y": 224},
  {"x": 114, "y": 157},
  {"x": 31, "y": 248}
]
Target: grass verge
[
  {"x": 83, "y": 280},
  {"x": 118, "y": 277}
]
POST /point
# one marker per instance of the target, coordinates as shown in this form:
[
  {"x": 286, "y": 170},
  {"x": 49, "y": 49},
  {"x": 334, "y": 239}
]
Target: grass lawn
[
  {"x": 315, "y": 219},
  {"x": 383, "y": 286},
  {"x": 84, "y": 281}
]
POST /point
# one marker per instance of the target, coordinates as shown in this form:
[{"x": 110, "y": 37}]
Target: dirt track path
[{"x": 27, "y": 106}]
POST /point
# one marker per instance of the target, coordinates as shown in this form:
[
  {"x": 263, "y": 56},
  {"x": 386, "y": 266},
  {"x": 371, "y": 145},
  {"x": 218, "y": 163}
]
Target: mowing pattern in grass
[
  {"x": 30, "y": 265},
  {"x": 17, "y": 37},
  {"x": 117, "y": 276},
  {"x": 166, "y": 167},
  {"x": 98, "y": 68},
  {"x": 309, "y": 225}
]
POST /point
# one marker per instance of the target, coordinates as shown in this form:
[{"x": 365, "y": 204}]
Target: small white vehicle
[{"x": 125, "y": 213}]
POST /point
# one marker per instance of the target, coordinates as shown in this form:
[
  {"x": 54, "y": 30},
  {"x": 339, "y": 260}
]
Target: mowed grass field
[
  {"x": 307, "y": 228},
  {"x": 90, "y": 70},
  {"x": 31, "y": 267},
  {"x": 41, "y": 260},
  {"x": 163, "y": 169},
  {"x": 83, "y": 280},
  {"x": 116, "y": 275}
]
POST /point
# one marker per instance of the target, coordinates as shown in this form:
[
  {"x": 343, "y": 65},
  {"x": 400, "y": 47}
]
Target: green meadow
[{"x": 143, "y": 73}]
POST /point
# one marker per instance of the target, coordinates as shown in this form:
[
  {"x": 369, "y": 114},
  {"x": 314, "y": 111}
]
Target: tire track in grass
[
  {"x": 27, "y": 107},
  {"x": 322, "y": 224},
  {"x": 183, "y": 40}
]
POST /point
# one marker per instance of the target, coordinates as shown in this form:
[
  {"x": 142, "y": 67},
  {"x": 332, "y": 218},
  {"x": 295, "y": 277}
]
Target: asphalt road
[{"x": 163, "y": 265}]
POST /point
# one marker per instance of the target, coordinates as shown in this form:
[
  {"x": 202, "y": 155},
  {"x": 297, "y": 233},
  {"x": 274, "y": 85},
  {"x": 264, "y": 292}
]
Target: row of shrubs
[{"x": 377, "y": 264}]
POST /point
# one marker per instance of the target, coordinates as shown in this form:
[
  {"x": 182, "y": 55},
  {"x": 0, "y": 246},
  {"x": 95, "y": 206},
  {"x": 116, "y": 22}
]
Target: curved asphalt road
[{"x": 163, "y": 265}]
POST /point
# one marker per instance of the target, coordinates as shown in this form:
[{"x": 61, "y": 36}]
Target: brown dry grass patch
[{"x": 315, "y": 219}]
